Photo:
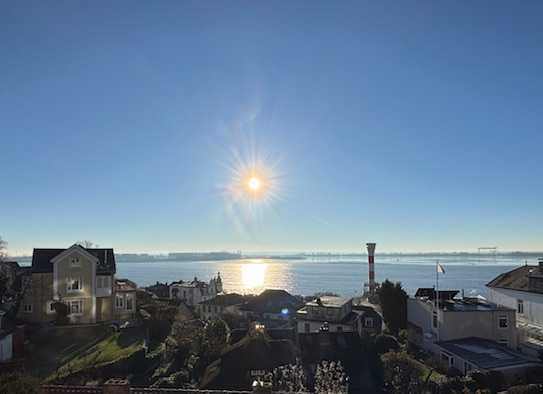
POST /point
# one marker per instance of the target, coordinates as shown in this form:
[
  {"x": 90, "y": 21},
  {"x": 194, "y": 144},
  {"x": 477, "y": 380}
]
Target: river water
[{"x": 342, "y": 275}]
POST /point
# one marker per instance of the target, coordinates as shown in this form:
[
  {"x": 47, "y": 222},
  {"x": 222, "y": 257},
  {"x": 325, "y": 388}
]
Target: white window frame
[
  {"x": 504, "y": 342},
  {"x": 520, "y": 307},
  {"x": 131, "y": 299},
  {"x": 75, "y": 262},
  {"x": 80, "y": 307},
  {"x": 69, "y": 285},
  {"x": 119, "y": 301},
  {"x": 503, "y": 317},
  {"x": 49, "y": 307},
  {"x": 368, "y": 322},
  {"x": 102, "y": 282},
  {"x": 27, "y": 308}
]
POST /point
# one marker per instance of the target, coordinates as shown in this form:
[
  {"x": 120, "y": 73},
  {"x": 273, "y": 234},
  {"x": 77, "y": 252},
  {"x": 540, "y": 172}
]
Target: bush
[
  {"x": 492, "y": 380},
  {"x": 528, "y": 389},
  {"x": 61, "y": 311},
  {"x": 402, "y": 374},
  {"x": 15, "y": 383},
  {"x": 386, "y": 343}
]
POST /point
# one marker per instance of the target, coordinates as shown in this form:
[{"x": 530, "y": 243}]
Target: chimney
[
  {"x": 371, "y": 266},
  {"x": 540, "y": 261}
]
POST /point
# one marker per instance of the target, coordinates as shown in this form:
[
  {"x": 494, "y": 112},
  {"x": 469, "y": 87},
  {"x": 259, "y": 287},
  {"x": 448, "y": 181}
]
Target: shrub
[
  {"x": 527, "y": 389},
  {"x": 401, "y": 373},
  {"x": 61, "y": 311},
  {"x": 15, "y": 383},
  {"x": 386, "y": 343}
]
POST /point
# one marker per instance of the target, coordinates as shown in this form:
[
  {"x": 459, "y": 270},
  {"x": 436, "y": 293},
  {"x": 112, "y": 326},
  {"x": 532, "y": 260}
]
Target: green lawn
[
  {"x": 51, "y": 348},
  {"x": 114, "y": 347}
]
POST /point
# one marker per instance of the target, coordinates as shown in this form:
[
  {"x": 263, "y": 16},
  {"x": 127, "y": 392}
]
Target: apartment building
[
  {"x": 455, "y": 318},
  {"x": 521, "y": 289}
]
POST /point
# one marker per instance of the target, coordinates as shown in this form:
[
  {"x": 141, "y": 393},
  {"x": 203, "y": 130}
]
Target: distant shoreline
[{"x": 221, "y": 256}]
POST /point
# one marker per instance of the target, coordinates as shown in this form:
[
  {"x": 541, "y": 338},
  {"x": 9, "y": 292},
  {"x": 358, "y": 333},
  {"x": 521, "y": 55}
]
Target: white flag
[{"x": 440, "y": 268}]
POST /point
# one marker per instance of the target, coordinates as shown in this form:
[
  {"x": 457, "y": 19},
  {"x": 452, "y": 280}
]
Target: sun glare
[
  {"x": 254, "y": 183},
  {"x": 253, "y": 275}
]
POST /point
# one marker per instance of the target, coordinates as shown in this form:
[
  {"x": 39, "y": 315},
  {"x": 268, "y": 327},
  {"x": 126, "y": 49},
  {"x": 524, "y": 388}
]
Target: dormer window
[{"x": 75, "y": 262}]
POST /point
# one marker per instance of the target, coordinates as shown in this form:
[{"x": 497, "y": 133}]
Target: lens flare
[{"x": 254, "y": 183}]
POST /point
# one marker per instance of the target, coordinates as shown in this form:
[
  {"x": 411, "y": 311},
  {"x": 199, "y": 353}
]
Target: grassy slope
[
  {"x": 115, "y": 346},
  {"x": 49, "y": 349}
]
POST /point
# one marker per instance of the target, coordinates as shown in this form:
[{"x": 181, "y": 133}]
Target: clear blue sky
[{"x": 418, "y": 125}]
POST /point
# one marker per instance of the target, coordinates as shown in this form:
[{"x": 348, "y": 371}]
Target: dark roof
[
  {"x": 272, "y": 301},
  {"x": 430, "y": 293},
  {"x": 41, "y": 260},
  {"x": 347, "y": 319},
  {"x": 366, "y": 311},
  {"x": 516, "y": 279},
  {"x": 125, "y": 285},
  {"x": 225, "y": 299},
  {"x": 485, "y": 354},
  {"x": 254, "y": 352},
  {"x": 327, "y": 345}
]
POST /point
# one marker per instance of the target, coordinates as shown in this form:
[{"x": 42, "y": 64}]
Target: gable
[{"x": 105, "y": 259}]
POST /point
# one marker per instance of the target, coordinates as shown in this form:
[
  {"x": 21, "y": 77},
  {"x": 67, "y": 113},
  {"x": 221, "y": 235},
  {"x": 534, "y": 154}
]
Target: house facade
[
  {"x": 450, "y": 318},
  {"x": 218, "y": 305},
  {"x": 194, "y": 292},
  {"x": 83, "y": 279},
  {"x": 327, "y": 313},
  {"x": 521, "y": 289}
]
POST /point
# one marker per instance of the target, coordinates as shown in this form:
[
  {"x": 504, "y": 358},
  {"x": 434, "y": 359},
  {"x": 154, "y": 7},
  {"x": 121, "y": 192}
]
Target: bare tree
[{"x": 87, "y": 244}]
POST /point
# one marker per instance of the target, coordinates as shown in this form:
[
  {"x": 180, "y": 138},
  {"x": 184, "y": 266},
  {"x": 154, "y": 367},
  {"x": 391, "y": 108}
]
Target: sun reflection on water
[{"x": 253, "y": 275}]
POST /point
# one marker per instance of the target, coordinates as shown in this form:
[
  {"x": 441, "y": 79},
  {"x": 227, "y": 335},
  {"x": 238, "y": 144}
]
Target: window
[
  {"x": 307, "y": 327},
  {"x": 434, "y": 320},
  {"x": 76, "y": 307},
  {"x": 339, "y": 329},
  {"x": 447, "y": 359},
  {"x": 75, "y": 262},
  {"x": 119, "y": 302},
  {"x": 503, "y": 342},
  {"x": 129, "y": 303},
  {"x": 520, "y": 307},
  {"x": 74, "y": 284},
  {"x": 467, "y": 367},
  {"x": 102, "y": 282},
  {"x": 368, "y": 322},
  {"x": 27, "y": 308},
  {"x": 50, "y": 307},
  {"x": 502, "y": 321}
]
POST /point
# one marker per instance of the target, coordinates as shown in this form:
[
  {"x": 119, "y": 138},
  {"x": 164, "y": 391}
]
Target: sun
[{"x": 254, "y": 183}]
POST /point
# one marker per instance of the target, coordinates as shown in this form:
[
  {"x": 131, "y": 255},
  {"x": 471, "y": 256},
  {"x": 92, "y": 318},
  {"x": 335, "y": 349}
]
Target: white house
[
  {"x": 329, "y": 313},
  {"x": 451, "y": 318},
  {"x": 522, "y": 290},
  {"x": 196, "y": 291}
]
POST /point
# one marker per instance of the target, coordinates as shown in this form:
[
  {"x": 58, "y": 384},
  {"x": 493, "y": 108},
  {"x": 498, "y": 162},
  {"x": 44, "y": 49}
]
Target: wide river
[{"x": 341, "y": 275}]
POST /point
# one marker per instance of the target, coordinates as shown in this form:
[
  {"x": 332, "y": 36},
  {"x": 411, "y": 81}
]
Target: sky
[{"x": 416, "y": 125}]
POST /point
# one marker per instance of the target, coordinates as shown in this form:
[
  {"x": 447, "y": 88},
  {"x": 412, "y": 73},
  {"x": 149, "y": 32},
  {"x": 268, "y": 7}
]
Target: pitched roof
[
  {"x": 125, "y": 285},
  {"x": 225, "y": 299},
  {"x": 484, "y": 353},
  {"x": 516, "y": 279},
  {"x": 272, "y": 301},
  {"x": 41, "y": 260}
]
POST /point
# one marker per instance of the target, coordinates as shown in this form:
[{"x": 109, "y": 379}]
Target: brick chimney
[{"x": 116, "y": 386}]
